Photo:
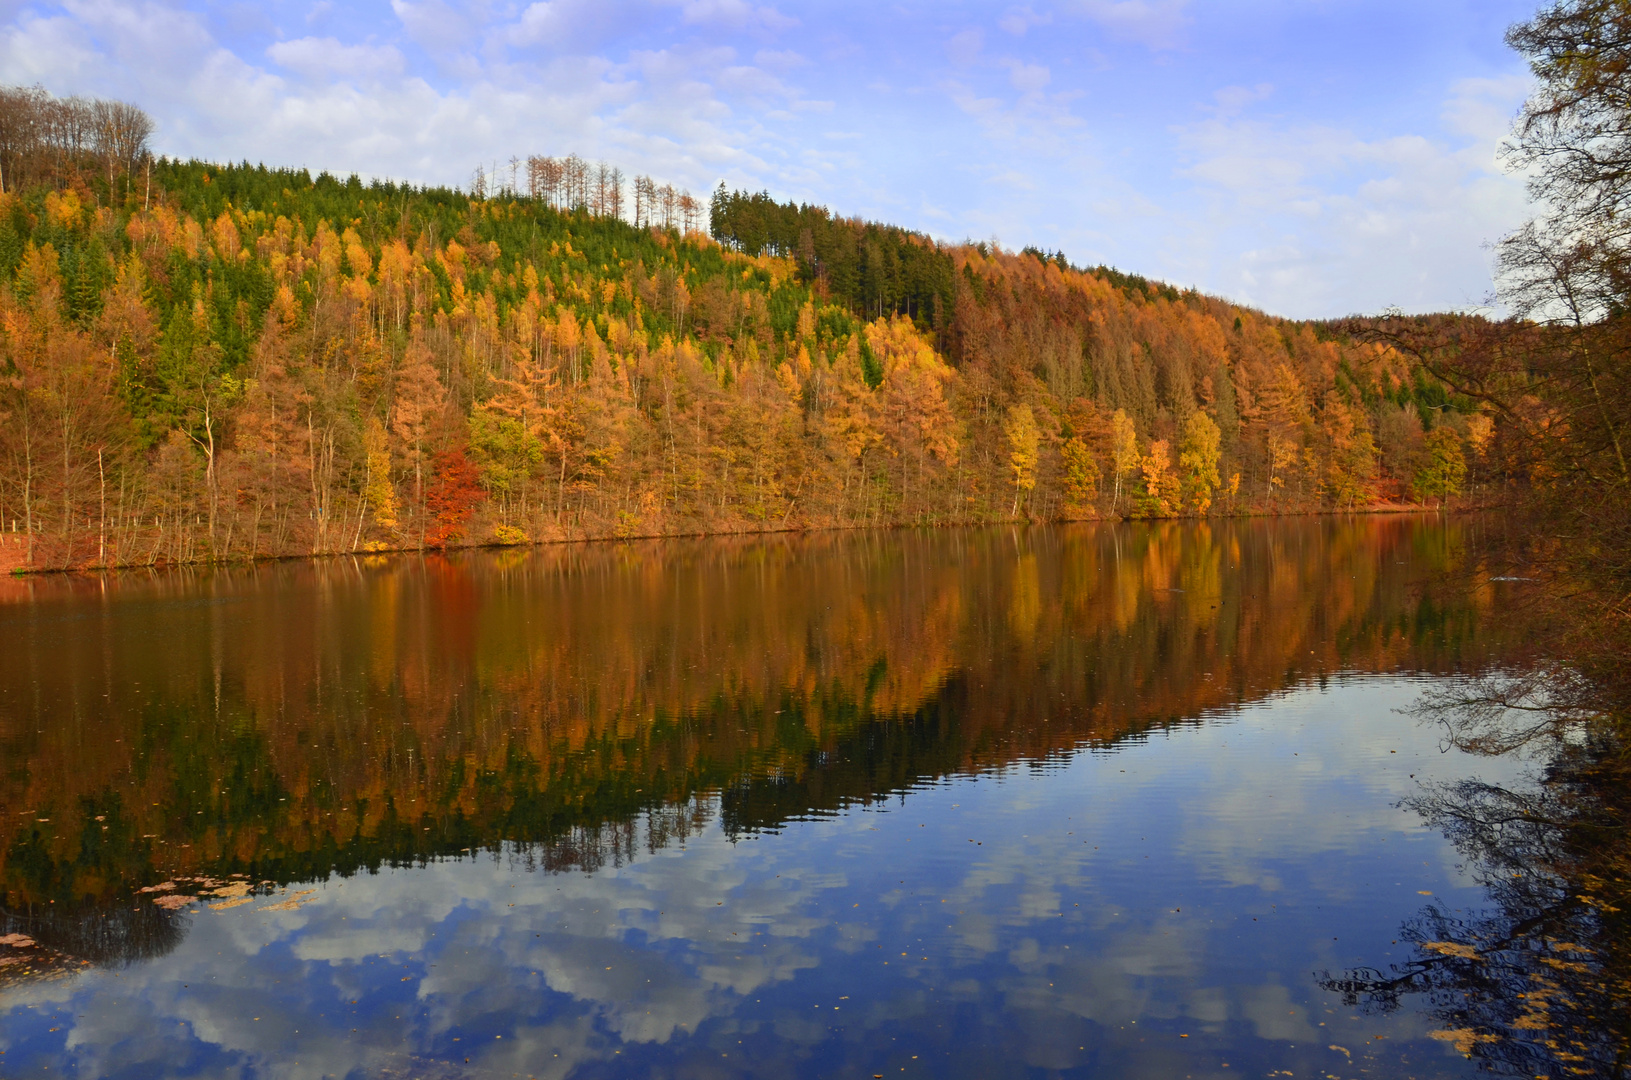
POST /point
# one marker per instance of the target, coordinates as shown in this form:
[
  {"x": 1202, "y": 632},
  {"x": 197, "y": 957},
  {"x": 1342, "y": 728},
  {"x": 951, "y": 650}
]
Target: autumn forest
[{"x": 207, "y": 362}]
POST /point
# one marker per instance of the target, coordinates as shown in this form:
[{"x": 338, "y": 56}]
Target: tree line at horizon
[{"x": 229, "y": 361}]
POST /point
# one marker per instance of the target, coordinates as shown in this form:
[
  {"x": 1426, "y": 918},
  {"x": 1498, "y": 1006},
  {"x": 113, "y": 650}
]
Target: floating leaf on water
[
  {"x": 1559, "y": 946},
  {"x": 1465, "y": 1039},
  {"x": 295, "y": 900}
]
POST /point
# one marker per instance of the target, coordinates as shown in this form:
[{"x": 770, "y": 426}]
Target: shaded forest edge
[
  {"x": 1537, "y": 982},
  {"x": 204, "y": 362}
]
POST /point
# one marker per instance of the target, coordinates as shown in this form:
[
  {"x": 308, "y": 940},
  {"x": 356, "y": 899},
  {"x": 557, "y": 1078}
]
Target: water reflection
[
  {"x": 598, "y": 793},
  {"x": 1536, "y": 981}
]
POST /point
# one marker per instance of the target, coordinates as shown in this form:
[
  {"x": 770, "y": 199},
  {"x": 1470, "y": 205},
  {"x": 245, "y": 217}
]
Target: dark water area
[{"x": 1109, "y": 801}]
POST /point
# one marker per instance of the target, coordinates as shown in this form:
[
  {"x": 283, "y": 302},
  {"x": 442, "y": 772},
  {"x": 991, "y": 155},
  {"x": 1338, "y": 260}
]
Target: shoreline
[{"x": 11, "y": 567}]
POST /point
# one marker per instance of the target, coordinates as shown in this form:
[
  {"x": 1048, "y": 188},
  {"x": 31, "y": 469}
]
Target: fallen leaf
[
  {"x": 295, "y": 900},
  {"x": 1465, "y": 1039}
]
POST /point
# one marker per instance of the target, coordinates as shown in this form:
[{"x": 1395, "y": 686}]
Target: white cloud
[
  {"x": 1484, "y": 109},
  {"x": 751, "y": 81},
  {"x": 1028, "y": 78},
  {"x": 560, "y": 24},
  {"x": 779, "y": 59},
  {"x": 47, "y": 50},
  {"x": 316, "y": 58},
  {"x": 738, "y": 15},
  {"x": 434, "y": 26},
  {"x": 1233, "y": 99},
  {"x": 540, "y": 23},
  {"x": 964, "y": 48},
  {"x": 1315, "y": 220},
  {"x": 658, "y": 111},
  {"x": 1019, "y": 20},
  {"x": 1155, "y": 24}
]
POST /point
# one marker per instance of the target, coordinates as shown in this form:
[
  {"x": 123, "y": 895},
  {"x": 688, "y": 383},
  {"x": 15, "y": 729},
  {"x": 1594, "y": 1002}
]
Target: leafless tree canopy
[
  {"x": 1575, "y": 131},
  {"x": 1570, "y": 267},
  {"x": 44, "y": 137},
  {"x": 1574, "y": 138},
  {"x": 571, "y": 183}
]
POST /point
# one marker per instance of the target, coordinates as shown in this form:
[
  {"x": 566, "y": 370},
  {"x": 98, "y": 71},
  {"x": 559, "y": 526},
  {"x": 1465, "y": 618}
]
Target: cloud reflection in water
[
  {"x": 970, "y": 802},
  {"x": 1098, "y": 918}
]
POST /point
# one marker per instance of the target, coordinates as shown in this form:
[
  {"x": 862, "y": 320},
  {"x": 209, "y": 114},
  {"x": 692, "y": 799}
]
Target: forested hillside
[{"x": 207, "y": 362}]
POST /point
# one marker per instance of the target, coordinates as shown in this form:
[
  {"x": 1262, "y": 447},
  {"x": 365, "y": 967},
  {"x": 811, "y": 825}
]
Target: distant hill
[{"x": 209, "y": 361}]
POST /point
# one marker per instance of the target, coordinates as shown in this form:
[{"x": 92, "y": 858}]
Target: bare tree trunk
[
  {"x": 1608, "y": 422},
  {"x": 225, "y": 553},
  {"x": 362, "y": 509},
  {"x": 560, "y": 497},
  {"x": 207, "y": 444},
  {"x": 210, "y": 479},
  {"x": 419, "y": 489},
  {"x": 102, "y": 525},
  {"x": 28, "y": 484},
  {"x": 67, "y": 483}
]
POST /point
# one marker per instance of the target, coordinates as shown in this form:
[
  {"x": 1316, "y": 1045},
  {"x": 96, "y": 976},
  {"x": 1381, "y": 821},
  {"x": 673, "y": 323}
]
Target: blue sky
[{"x": 1312, "y": 158}]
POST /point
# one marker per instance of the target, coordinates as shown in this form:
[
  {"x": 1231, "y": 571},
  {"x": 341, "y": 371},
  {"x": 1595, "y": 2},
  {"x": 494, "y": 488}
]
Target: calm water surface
[{"x": 1089, "y": 801}]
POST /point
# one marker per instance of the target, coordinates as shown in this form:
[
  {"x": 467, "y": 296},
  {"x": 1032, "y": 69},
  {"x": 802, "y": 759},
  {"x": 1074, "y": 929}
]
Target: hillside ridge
[{"x": 208, "y": 362}]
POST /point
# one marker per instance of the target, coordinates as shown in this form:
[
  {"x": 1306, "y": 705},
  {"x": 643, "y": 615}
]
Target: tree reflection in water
[
  {"x": 1537, "y": 984},
  {"x": 572, "y": 709}
]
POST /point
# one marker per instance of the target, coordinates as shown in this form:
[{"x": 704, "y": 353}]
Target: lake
[{"x": 1090, "y": 800}]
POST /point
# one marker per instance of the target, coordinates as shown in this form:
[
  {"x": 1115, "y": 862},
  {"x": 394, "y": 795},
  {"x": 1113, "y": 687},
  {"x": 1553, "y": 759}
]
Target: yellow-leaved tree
[
  {"x": 1160, "y": 486},
  {"x": 381, "y": 491},
  {"x": 1198, "y": 461},
  {"x": 917, "y": 420},
  {"x": 1124, "y": 455},
  {"x": 1081, "y": 475},
  {"x": 1445, "y": 468},
  {"x": 1024, "y": 442}
]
